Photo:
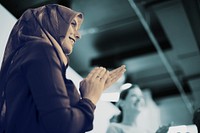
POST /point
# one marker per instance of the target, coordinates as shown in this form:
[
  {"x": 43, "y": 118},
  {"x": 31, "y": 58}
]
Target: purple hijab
[
  {"x": 48, "y": 23},
  {"x": 53, "y": 18}
]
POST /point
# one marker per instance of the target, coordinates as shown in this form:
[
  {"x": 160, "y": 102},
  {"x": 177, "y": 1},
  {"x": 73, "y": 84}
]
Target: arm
[{"x": 42, "y": 70}]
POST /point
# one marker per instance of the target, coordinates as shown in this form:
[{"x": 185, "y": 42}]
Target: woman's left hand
[{"x": 114, "y": 76}]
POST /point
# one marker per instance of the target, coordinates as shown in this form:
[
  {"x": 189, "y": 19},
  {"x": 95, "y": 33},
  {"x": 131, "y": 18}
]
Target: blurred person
[
  {"x": 131, "y": 104},
  {"x": 187, "y": 128},
  {"x": 193, "y": 127},
  {"x": 150, "y": 116},
  {"x": 35, "y": 95}
]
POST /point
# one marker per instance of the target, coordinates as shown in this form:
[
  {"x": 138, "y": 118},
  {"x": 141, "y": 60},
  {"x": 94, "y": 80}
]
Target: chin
[{"x": 68, "y": 52}]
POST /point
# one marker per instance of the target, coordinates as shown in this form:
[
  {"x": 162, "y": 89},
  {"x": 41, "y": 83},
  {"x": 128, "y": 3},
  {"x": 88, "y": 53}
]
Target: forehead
[{"x": 135, "y": 91}]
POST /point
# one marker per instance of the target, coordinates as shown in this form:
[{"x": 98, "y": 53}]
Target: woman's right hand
[{"x": 93, "y": 85}]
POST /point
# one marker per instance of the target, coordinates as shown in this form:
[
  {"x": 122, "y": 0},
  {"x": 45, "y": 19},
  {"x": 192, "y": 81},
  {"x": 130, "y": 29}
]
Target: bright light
[
  {"x": 183, "y": 129},
  {"x": 7, "y": 22},
  {"x": 125, "y": 86}
]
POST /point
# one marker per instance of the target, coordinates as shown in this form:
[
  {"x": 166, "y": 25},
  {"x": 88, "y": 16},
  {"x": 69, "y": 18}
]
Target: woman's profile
[{"x": 35, "y": 95}]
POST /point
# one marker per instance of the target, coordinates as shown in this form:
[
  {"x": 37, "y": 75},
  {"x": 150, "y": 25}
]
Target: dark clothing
[
  {"x": 39, "y": 99},
  {"x": 35, "y": 96}
]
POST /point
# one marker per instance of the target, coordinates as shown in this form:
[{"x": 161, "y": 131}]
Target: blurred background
[{"x": 157, "y": 40}]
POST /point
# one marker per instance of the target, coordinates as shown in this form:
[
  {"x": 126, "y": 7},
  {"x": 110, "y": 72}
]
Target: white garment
[{"x": 121, "y": 128}]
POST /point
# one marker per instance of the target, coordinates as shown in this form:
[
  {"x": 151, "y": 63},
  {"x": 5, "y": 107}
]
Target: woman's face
[
  {"x": 71, "y": 36},
  {"x": 134, "y": 100}
]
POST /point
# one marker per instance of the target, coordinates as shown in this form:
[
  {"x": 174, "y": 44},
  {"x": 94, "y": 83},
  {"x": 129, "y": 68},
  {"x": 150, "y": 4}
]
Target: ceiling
[{"x": 113, "y": 34}]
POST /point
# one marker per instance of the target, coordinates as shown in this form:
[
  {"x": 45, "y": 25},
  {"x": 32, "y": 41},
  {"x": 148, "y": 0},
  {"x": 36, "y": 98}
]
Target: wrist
[{"x": 94, "y": 100}]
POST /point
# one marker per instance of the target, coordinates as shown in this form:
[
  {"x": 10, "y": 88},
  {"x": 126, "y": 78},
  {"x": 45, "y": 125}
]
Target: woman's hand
[
  {"x": 93, "y": 85},
  {"x": 98, "y": 80},
  {"x": 114, "y": 76}
]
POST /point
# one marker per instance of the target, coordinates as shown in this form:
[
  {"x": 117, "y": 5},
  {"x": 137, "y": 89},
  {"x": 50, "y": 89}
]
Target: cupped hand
[
  {"x": 114, "y": 76},
  {"x": 93, "y": 85}
]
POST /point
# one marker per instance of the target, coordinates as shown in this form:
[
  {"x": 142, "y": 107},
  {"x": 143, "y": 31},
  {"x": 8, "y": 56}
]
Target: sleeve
[{"x": 43, "y": 72}]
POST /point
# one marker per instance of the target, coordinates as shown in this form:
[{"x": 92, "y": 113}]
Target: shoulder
[
  {"x": 38, "y": 51},
  {"x": 38, "y": 46},
  {"x": 114, "y": 128}
]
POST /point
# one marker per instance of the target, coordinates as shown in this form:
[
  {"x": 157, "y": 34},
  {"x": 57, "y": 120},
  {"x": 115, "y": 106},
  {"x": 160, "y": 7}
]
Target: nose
[
  {"x": 139, "y": 99},
  {"x": 77, "y": 35}
]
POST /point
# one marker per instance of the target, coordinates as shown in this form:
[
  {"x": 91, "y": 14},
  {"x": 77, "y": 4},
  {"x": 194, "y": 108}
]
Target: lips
[{"x": 72, "y": 39}]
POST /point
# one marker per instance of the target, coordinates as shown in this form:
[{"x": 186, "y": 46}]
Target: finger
[
  {"x": 119, "y": 69},
  {"x": 108, "y": 83},
  {"x": 96, "y": 73},
  {"x": 115, "y": 78},
  {"x": 105, "y": 76},
  {"x": 116, "y": 69},
  {"x": 112, "y": 79},
  {"x": 92, "y": 72},
  {"x": 120, "y": 72},
  {"x": 101, "y": 73}
]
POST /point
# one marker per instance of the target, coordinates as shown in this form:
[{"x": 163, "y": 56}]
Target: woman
[
  {"x": 36, "y": 97},
  {"x": 131, "y": 103}
]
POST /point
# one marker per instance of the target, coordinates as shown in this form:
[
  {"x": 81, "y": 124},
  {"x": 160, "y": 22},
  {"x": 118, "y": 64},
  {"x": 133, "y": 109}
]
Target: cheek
[
  {"x": 62, "y": 38},
  {"x": 130, "y": 102},
  {"x": 65, "y": 45},
  {"x": 142, "y": 102},
  {"x": 65, "y": 42},
  {"x": 133, "y": 100}
]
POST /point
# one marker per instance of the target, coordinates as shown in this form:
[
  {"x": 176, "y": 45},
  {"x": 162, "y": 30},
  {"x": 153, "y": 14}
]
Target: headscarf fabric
[{"x": 48, "y": 23}]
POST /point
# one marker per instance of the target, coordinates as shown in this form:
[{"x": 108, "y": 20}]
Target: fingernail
[{"x": 101, "y": 67}]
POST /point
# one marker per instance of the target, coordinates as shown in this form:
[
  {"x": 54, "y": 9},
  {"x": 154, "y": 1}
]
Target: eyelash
[{"x": 73, "y": 24}]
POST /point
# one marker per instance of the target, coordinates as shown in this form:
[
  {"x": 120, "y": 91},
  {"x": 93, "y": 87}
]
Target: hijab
[
  {"x": 46, "y": 23},
  {"x": 49, "y": 22}
]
